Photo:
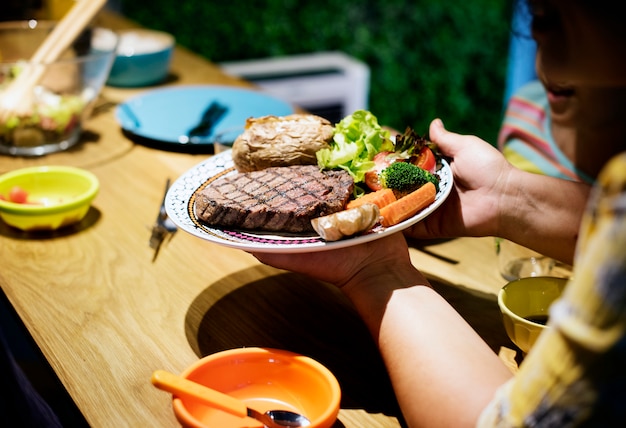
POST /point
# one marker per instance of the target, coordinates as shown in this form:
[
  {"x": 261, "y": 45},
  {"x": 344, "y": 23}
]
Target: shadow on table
[
  {"x": 292, "y": 312},
  {"x": 90, "y": 219},
  {"x": 480, "y": 310}
]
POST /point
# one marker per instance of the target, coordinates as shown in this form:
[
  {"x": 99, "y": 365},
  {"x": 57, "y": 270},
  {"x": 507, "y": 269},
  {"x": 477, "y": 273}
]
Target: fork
[{"x": 163, "y": 229}]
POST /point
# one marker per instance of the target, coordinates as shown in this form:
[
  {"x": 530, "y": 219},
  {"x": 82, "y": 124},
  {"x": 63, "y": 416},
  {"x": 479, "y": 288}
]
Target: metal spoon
[{"x": 180, "y": 386}]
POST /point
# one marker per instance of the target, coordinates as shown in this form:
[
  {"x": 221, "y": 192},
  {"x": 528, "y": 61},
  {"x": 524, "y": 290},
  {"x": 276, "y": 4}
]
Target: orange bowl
[{"x": 265, "y": 379}]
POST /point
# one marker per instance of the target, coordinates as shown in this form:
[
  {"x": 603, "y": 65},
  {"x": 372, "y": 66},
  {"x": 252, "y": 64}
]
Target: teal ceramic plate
[{"x": 163, "y": 116}]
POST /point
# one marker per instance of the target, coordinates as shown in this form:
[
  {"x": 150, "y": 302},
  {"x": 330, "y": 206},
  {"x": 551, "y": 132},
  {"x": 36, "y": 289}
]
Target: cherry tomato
[
  {"x": 426, "y": 160},
  {"x": 18, "y": 195},
  {"x": 381, "y": 161}
]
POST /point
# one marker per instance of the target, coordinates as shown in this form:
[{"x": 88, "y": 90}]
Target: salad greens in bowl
[{"x": 50, "y": 117}]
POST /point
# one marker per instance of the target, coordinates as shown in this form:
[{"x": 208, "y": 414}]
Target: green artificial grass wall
[{"x": 428, "y": 58}]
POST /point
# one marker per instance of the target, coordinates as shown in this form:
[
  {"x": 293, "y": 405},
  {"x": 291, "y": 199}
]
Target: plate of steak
[
  {"x": 275, "y": 199},
  {"x": 270, "y": 210}
]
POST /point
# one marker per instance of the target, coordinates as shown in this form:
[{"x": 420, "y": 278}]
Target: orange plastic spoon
[{"x": 180, "y": 386}]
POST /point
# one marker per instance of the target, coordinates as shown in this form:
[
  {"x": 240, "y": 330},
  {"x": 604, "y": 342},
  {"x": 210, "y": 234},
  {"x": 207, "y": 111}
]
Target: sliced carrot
[
  {"x": 380, "y": 197},
  {"x": 408, "y": 205}
]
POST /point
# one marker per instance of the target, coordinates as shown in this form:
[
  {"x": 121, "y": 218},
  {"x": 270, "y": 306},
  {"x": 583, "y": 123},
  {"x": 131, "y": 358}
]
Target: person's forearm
[
  {"x": 543, "y": 213},
  {"x": 443, "y": 373}
]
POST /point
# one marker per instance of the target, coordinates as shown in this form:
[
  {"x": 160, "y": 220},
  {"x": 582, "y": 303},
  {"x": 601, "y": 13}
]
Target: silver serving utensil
[{"x": 178, "y": 385}]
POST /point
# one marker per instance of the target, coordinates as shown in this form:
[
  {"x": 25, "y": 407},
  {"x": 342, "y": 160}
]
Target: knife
[{"x": 211, "y": 116}]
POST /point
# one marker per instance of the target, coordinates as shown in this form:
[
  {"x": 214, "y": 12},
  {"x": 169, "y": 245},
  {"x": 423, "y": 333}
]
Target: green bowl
[{"x": 58, "y": 196}]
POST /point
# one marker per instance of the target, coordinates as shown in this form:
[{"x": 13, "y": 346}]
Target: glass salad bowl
[{"x": 48, "y": 114}]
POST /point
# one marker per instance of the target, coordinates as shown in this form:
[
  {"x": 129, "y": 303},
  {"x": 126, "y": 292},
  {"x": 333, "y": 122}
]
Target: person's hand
[
  {"x": 351, "y": 264},
  {"x": 480, "y": 172}
]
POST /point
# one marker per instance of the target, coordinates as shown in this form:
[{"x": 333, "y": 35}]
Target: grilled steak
[{"x": 277, "y": 199}]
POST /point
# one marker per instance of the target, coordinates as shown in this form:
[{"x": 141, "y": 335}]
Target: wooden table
[{"x": 106, "y": 316}]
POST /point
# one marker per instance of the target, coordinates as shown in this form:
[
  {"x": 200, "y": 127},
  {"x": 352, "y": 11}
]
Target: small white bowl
[{"x": 143, "y": 58}]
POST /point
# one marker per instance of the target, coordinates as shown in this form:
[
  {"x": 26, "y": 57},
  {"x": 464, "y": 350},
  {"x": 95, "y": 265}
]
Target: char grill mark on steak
[{"x": 276, "y": 199}]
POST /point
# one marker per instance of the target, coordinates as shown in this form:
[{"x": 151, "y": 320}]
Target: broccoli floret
[{"x": 406, "y": 177}]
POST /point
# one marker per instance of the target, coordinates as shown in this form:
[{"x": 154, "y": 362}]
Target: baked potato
[{"x": 281, "y": 141}]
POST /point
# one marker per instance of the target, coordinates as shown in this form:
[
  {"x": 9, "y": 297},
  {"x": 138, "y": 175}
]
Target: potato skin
[{"x": 281, "y": 141}]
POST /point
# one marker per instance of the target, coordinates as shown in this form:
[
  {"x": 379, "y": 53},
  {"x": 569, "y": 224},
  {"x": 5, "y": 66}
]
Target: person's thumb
[
  {"x": 444, "y": 139},
  {"x": 436, "y": 129}
]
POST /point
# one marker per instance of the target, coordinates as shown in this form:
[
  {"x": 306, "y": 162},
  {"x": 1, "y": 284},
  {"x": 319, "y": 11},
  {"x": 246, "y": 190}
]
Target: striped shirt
[{"x": 525, "y": 138}]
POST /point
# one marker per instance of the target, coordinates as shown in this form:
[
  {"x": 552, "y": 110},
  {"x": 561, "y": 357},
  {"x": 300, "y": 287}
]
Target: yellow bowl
[
  {"x": 58, "y": 196},
  {"x": 265, "y": 379},
  {"x": 525, "y": 305}
]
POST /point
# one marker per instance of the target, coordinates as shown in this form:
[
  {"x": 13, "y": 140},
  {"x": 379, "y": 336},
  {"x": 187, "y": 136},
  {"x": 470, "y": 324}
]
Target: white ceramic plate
[{"x": 179, "y": 204}]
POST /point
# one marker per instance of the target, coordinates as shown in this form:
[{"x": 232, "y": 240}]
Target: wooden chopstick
[
  {"x": 67, "y": 30},
  {"x": 15, "y": 97}
]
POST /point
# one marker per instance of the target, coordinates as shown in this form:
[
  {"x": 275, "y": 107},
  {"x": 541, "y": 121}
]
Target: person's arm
[
  {"x": 443, "y": 373},
  {"x": 542, "y": 213},
  {"x": 493, "y": 198}
]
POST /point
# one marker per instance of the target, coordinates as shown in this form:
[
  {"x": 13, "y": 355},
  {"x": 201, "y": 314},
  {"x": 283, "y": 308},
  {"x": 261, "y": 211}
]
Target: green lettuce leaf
[{"x": 358, "y": 138}]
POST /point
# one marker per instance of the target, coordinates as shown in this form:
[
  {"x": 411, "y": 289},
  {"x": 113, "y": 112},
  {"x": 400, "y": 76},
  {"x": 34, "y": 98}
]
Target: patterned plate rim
[{"x": 180, "y": 200}]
